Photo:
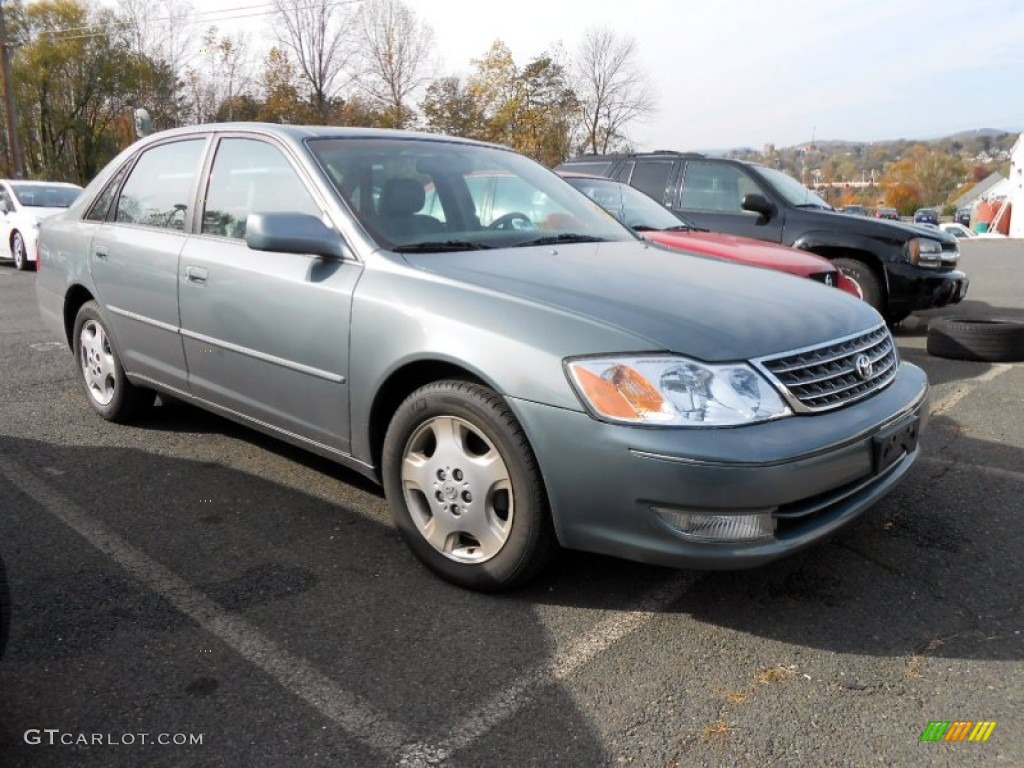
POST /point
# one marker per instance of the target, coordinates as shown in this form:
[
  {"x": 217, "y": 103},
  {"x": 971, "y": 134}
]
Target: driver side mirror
[
  {"x": 292, "y": 233},
  {"x": 760, "y": 205}
]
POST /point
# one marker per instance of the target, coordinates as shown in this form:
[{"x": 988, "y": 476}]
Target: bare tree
[
  {"x": 612, "y": 88},
  {"x": 395, "y": 49},
  {"x": 317, "y": 32}
]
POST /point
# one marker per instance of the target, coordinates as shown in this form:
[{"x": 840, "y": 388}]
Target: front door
[
  {"x": 265, "y": 334},
  {"x": 711, "y": 196}
]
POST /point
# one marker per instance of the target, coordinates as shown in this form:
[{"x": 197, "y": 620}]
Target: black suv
[{"x": 900, "y": 268}]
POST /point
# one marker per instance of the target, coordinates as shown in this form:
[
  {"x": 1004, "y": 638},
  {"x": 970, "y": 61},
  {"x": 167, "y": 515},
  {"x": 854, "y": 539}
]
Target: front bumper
[
  {"x": 818, "y": 471},
  {"x": 914, "y": 288}
]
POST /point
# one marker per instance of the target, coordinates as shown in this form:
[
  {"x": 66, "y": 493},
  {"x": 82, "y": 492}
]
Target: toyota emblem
[{"x": 862, "y": 365}]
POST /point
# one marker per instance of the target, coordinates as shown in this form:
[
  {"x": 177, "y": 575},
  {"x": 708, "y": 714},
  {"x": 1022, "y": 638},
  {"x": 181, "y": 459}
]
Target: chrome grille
[{"x": 832, "y": 375}]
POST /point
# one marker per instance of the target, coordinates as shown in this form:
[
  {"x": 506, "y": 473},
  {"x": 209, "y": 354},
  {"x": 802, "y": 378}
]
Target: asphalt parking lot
[{"x": 188, "y": 581}]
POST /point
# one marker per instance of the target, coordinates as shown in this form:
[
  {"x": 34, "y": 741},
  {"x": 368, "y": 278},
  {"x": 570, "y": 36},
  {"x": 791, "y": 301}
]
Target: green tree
[
  {"x": 74, "y": 89},
  {"x": 452, "y": 108}
]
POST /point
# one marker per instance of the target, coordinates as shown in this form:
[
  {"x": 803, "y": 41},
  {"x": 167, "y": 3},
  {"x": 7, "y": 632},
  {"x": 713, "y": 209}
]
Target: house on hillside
[{"x": 1016, "y": 191}]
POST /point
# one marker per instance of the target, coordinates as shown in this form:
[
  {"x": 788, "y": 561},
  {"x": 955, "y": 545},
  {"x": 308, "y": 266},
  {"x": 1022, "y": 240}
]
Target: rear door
[
  {"x": 711, "y": 195},
  {"x": 266, "y": 335},
  {"x": 134, "y": 258}
]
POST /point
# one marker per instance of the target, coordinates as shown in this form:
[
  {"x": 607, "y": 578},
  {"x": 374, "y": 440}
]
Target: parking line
[
  {"x": 522, "y": 691},
  {"x": 292, "y": 672},
  {"x": 962, "y": 391}
]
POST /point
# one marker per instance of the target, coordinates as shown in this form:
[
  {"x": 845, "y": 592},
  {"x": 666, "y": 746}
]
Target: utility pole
[{"x": 17, "y": 161}]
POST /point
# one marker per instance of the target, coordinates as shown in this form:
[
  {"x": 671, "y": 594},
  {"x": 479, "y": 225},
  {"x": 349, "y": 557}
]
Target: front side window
[
  {"x": 158, "y": 192},
  {"x": 715, "y": 187},
  {"x": 251, "y": 176}
]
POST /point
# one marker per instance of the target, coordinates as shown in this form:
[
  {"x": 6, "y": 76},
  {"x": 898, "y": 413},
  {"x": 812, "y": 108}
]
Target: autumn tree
[
  {"x": 394, "y": 51},
  {"x": 318, "y": 34},
  {"x": 612, "y": 89},
  {"x": 933, "y": 174},
  {"x": 282, "y": 99},
  {"x": 902, "y": 196},
  {"x": 451, "y": 107}
]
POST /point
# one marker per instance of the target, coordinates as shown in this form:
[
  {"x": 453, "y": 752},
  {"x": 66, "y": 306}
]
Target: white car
[
  {"x": 23, "y": 206},
  {"x": 959, "y": 231}
]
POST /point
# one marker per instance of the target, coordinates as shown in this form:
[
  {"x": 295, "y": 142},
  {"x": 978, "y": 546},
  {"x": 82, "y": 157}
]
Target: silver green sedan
[{"x": 456, "y": 322}]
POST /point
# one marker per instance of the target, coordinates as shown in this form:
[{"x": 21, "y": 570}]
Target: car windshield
[
  {"x": 628, "y": 204},
  {"x": 791, "y": 190},
  {"x": 420, "y": 195},
  {"x": 45, "y": 196}
]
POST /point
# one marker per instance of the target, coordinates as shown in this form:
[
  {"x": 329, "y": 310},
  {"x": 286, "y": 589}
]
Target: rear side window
[
  {"x": 651, "y": 176},
  {"x": 596, "y": 168},
  {"x": 100, "y": 208},
  {"x": 251, "y": 176},
  {"x": 158, "y": 192}
]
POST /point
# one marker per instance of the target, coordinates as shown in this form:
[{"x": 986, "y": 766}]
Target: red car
[{"x": 646, "y": 216}]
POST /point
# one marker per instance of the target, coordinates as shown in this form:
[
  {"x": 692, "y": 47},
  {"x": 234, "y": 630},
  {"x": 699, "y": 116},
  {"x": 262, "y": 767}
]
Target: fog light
[{"x": 702, "y": 526}]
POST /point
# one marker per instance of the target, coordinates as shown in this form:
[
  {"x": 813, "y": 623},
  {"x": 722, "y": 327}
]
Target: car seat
[{"x": 399, "y": 206}]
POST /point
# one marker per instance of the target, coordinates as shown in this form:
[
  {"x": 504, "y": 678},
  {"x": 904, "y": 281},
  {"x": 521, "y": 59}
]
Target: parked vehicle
[
  {"x": 926, "y": 216},
  {"x": 963, "y": 217},
  {"x": 23, "y": 205},
  {"x": 959, "y": 231},
  {"x": 645, "y": 215},
  {"x": 899, "y": 268},
  {"x": 517, "y": 376},
  {"x": 887, "y": 213},
  {"x": 854, "y": 210}
]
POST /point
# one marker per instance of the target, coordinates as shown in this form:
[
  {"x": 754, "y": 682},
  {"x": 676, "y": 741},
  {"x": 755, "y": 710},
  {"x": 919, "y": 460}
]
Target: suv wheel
[{"x": 866, "y": 279}]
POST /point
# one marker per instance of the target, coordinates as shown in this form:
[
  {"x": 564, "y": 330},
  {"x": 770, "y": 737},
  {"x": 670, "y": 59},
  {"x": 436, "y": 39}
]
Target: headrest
[{"x": 402, "y": 197}]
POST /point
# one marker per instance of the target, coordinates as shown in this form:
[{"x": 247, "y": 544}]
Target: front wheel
[
  {"x": 464, "y": 487},
  {"x": 867, "y": 281},
  {"x": 19, "y": 252},
  {"x": 107, "y": 387}
]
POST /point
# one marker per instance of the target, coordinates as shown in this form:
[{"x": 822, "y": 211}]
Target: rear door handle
[
  {"x": 100, "y": 251},
  {"x": 195, "y": 275}
]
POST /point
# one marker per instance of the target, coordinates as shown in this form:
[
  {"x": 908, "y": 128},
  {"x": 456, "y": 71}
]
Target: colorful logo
[{"x": 958, "y": 730}]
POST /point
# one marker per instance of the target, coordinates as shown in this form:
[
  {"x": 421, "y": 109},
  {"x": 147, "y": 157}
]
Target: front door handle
[
  {"x": 195, "y": 275},
  {"x": 100, "y": 251}
]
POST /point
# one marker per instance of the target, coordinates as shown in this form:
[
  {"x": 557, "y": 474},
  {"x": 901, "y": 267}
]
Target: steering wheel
[{"x": 508, "y": 221}]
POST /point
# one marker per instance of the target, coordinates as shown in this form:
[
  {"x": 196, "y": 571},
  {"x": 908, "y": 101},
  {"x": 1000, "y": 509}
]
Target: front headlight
[
  {"x": 924, "y": 252},
  {"x": 673, "y": 391}
]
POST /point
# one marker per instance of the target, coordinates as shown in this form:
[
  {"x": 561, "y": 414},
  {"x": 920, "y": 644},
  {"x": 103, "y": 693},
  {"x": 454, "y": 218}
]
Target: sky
[{"x": 731, "y": 73}]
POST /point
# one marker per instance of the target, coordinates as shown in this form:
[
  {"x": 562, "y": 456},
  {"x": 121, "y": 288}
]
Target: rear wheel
[
  {"x": 464, "y": 487},
  {"x": 107, "y": 387},
  {"x": 867, "y": 281}
]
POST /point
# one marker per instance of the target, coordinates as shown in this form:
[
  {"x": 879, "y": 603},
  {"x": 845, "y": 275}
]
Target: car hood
[
  {"x": 43, "y": 213},
  {"x": 710, "y": 309},
  {"x": 887, "y": 229},
  {"x": 744, "y": 249}
]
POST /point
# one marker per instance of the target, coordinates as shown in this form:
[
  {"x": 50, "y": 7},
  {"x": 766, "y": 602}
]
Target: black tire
[
  {"x": 5, "y": 609},
  {"x": 979, "y": 339},
  {"x": 864, "y": 276},
  {"x": 18, "y": 252},
  {"x": 117, "y": 399},
  {"x": 482, "y": 425}
]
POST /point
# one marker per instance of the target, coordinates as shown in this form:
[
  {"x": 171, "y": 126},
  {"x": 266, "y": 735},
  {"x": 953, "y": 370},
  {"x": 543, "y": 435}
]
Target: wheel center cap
[{"x": 449, "y": 491}]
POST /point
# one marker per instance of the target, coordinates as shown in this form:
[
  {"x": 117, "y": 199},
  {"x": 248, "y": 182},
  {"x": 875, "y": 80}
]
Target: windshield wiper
[
  {"x": 816, "y": 205},
  {"x": 566, "y": 237},
  {"x": 443, "y": 246}
]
